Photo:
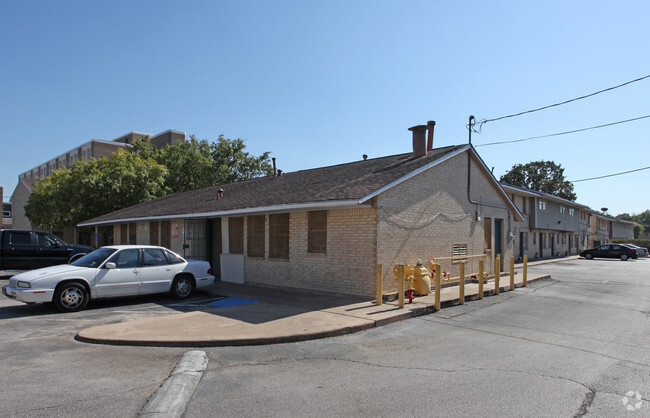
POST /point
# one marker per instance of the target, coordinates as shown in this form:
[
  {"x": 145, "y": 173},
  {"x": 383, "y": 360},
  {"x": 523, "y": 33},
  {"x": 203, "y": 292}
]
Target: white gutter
[{"x": 235, "y": 212}]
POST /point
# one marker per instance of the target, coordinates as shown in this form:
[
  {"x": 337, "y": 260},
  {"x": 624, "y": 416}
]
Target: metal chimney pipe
[
  {"x": 430, "y": 124},
  {"x": 419, "y": 140},
  {"x": 275, "y": 171}
]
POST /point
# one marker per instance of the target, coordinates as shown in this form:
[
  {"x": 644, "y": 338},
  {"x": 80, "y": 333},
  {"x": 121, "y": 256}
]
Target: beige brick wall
[
  {"x": 348, "y": 267},
  {"x": 423, "y": 217}
]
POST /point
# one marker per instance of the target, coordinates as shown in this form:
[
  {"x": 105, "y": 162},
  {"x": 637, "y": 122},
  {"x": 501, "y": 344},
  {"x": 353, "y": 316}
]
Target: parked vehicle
[
  {"x": 610, "y": 251},
  {"x": 26, "y": 250},
  {"x": 120, "y": 270},
  {"x": 641, "y": 251}
]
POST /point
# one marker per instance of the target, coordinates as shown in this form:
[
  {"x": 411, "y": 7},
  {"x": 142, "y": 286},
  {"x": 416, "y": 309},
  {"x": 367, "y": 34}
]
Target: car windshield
[{"x": 95, "y": 258}]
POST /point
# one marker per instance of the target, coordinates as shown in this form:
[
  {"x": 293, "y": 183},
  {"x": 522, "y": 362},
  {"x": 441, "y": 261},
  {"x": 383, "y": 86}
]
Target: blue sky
[{"x": 320, "y": 83}]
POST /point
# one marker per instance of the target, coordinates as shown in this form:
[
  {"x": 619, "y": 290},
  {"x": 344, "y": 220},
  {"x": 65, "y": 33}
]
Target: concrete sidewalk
[{"x": 266, "y": 316}]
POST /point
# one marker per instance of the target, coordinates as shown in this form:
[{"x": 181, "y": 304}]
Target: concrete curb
[
  {"x": 412, "y": 311},
  {"x": 171, "y": 399}
]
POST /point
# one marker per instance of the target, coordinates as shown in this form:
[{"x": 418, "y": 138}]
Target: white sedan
[{"x": 119, "y": 270}]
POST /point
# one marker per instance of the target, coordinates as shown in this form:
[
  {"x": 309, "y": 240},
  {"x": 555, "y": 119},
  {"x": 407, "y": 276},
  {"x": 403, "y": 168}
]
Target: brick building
[
  {"x": 95, "y": 148},
  {"x": 326, "y": 229}
]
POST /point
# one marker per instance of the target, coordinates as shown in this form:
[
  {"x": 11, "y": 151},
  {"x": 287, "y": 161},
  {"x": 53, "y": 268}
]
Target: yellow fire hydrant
[{"x": 421, "y": 279}]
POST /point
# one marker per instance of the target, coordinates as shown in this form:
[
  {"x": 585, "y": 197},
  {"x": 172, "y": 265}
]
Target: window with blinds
[
  {"x": 255, "y": 238},
  {"x": 317, "y": 232},
  {"x": 236, "y": 235},
  {"x": 279, "y": 236}
]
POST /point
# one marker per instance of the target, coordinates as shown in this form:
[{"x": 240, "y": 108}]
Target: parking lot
[{"x": 584, "y": 327}]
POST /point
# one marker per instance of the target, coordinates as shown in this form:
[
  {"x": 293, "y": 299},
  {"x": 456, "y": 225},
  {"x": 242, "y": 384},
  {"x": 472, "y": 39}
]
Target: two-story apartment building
[
  {"x": 552, "y": 227},
  {"x": 94, "y": 148},
  {"x": 555, "y": 227},
  {"x": 604, "y": 228}
]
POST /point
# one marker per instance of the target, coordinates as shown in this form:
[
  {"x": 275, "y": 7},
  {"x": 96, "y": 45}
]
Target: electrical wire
[
  {"x": 610, "y": 175},
  {"x": 484, "y": 121},
  {"x": 563, "y": 133}
]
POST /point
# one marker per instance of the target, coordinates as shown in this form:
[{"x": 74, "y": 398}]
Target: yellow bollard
[
  {"x": 480, "y": 279},
  {"x": 523, "y": 282},
  {"x": 437, "y": 288},
  {"x": 380, "y": 284},
  {"x": 401, "y": 280},
  {"x": 497, "y": 273},
  {"x": 461, "y": 284},
  {"x": 512, "y": 273}
]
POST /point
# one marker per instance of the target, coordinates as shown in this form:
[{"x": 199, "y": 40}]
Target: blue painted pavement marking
[{"x": 224, "y": 303}]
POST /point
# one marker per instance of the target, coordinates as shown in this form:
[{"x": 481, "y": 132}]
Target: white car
[{"x": 119, "y": 270}]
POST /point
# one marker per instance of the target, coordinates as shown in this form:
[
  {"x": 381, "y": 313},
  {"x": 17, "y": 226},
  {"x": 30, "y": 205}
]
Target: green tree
[
  {"x": 93, "y": 188},
  {"x": 233, "y": 163},
  {"x": 542, "y": 176},
  {"x": 197, "y": 163}
]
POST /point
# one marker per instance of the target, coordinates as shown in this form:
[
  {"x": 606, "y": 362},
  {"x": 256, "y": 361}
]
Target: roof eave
[{"x": 338, "y": 204}]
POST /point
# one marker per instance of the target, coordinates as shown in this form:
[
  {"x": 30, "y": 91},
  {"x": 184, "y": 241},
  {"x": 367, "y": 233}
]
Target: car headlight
[{"x": 24, "y": 284}]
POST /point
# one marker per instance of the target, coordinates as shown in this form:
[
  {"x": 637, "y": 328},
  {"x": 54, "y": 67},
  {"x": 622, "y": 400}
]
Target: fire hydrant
[{"x": 421, "y": 279}]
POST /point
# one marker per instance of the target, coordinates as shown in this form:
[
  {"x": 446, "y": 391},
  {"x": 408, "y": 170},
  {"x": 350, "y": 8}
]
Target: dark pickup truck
[{"x": 27, "y": 250}]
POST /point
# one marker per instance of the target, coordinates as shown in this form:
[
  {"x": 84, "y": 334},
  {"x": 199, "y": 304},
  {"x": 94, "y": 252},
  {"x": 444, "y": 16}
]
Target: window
[
  {"x": 236, "y": 235},
  {"x": 20, "y": 238},
  {"x": 317, "y": 232},
  {"x": 154, "y": 233},
  {"x": 562, "y": 210},
  {"x": 45, "y": 240},
  {"x": 154, "y": 257},
  {"x": 173, "y": 258},
  {"x": 459, "y": 253},
  {"x": 542, "y": 205},
  {"x": 572, "y": 212},
  {"x": 126, "y": 258},
  {"x": 279, "y": 236},
  {"x": 255, "y": 239}
]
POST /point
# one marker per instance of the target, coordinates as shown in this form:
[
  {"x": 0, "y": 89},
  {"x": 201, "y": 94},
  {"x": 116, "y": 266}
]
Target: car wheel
[
  {"x": 589, "y": 256},
  {"x": 182, "y": 287},
  {"x": 624, "y": 257},
  {"x": 70, "y": 297}
]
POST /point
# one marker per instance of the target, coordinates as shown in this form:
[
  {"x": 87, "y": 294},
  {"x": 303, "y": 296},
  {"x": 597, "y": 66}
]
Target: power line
[
  {"x": 611, "y": 175},
  {"x": 484, "y": 121},
  {"x": 564, "y": 133}
]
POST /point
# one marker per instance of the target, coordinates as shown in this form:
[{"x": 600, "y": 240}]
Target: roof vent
[
  {"x": 219, "y": 194},
  {"x": 365, "y": 157}
]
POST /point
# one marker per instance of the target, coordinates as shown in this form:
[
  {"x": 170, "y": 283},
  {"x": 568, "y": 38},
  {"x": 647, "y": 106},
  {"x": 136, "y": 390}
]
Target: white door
[
  {"x": 156, "y": 273},
  {"x": 122, "y": 280}
]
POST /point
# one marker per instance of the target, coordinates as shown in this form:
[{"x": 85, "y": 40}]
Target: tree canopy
[
  {"x": 196, "y": 163},
  {"x": 542, "y": 176},
  {"x": 142, "y": 172},
  {"x": 93, "y": 188}
]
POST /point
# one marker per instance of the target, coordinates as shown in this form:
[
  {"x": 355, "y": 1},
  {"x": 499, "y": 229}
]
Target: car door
[
  {"x": 602, "y": 251},
  {"x": 19, "y": 252},
  {"x": 156, "y": 273},
  {"x": 49, "y": 250},
  {"x": 122, "y": 280}
]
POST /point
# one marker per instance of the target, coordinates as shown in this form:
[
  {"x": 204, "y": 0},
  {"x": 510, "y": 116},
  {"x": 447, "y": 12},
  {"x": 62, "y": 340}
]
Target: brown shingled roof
[{"x": 351, "y": 181}]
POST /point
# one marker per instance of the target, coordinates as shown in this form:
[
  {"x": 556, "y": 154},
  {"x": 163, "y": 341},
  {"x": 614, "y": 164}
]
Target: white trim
[
  {"x": 266, "y": 209},
  {"x": 413, "y": 174}
]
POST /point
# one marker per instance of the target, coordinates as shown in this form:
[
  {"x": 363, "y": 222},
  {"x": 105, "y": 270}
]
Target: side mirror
[{"x": 110, "y": 266}]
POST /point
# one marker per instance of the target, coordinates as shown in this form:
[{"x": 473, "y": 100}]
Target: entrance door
[
  {"x": 552, "y": 237},
  {"x": 521, "y": 244},
  {"x": 498, "y": 239},
  {"x": 542, "y": 244},
  {"x": 215, "y": 246}
]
